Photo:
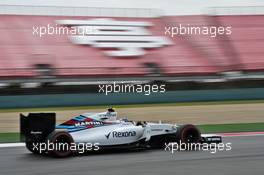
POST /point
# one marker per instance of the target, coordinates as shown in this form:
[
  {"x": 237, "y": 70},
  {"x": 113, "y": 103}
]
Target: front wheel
[{"x": 188, "y": 134}]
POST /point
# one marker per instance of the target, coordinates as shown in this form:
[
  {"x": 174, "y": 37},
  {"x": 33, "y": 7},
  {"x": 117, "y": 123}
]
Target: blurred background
[
  {"x": 215, "y": 83},
  {"x": 55, "y": 70}
]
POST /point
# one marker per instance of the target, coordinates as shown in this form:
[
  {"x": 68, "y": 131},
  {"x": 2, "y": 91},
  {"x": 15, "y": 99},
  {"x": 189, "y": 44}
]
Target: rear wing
[{"x": 36, "y": 126}]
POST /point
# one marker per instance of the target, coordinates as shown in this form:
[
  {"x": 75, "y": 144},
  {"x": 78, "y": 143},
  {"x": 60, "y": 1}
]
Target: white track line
[
  {"x": 241, "y": 134},
  {"x": 8, "y": 145}
]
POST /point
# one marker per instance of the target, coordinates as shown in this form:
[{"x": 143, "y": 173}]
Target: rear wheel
[{"x": 61, "y": 142}]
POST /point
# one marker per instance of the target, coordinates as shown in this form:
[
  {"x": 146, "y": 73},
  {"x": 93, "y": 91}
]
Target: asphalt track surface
[{"x": 245, "y": 158}]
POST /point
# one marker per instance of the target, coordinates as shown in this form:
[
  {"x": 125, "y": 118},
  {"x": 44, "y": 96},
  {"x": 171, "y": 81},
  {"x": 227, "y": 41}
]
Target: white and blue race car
[{"x": 103, "y": 131}]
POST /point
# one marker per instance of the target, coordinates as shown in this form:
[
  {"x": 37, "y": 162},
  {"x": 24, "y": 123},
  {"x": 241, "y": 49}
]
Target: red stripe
[{"x": 241, "y": 134}]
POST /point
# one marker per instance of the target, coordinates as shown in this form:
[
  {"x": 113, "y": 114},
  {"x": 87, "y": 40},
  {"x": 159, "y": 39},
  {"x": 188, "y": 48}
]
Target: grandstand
[{"x": 25, "y": 56}]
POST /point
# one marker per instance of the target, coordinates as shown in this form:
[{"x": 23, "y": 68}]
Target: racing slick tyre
[
  {"x": 61, "y": 141},
  {"x": 188, "y": 134}
]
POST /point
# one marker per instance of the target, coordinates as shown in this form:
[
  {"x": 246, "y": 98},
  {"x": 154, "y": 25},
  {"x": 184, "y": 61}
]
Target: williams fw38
[{"x": 102, "y": 131}]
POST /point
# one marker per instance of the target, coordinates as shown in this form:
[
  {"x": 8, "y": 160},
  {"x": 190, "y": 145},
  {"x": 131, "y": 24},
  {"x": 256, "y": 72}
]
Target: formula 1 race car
[{"x": 102, "y": 131}]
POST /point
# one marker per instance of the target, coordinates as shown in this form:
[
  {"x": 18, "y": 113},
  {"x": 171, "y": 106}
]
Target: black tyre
[
  {"x": 62, "y": 142},
  {"x": 188, "y": 134}
]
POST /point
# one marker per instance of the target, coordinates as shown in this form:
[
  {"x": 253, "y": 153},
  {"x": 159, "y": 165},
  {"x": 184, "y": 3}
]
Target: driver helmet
[{"x": 110, "y": 109}]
